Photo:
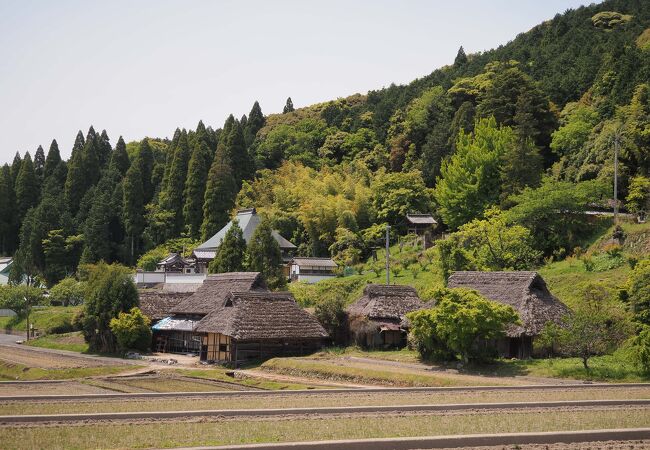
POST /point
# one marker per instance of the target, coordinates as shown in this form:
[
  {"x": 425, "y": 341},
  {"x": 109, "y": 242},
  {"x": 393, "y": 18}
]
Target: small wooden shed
[
  {"x": 377, "y": 319},
  {"x": 527, "y": 293}
]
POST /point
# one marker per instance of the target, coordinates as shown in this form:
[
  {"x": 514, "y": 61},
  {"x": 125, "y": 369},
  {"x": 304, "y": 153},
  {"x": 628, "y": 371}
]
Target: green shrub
[
  {"x": 68, "y": 292},
  {"x": 132, "y": 330},
  {"x": 458, "y": 323}
]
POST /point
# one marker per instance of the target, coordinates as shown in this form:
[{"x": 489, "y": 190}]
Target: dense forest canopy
[{"x": 492, "y": 130}]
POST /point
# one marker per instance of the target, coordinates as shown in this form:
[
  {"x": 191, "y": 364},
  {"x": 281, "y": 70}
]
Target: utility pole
[
  {"x": 387, "y": 255},
  {"x": 617, "y": 146},
  {"x": 27, "y": 320}
]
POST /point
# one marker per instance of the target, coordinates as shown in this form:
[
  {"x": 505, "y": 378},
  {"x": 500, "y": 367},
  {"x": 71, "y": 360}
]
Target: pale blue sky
[{"x": 143, "y": 68}]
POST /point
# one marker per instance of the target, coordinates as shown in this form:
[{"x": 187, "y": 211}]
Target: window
[{"x": 223, "y": 347}]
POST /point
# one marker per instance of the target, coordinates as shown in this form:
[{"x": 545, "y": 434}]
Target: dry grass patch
[
  {"x": 313, "y": 400},
  {"x": 363, "y": 373},
  {"x": 223, "y": 432},
  {"x": 10, "y": 371}
]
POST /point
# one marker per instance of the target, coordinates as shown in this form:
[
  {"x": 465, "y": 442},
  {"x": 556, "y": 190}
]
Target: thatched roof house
[
  {"x": 159, "y": 301},
  {"x": 233, "y": 316},
  {"x": 215, "y": 289},
  {"x": 378, "y": 317},
  {"x": 526, "y": 292}
]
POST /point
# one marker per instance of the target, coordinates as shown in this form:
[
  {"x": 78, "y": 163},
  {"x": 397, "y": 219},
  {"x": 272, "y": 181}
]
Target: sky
[{"x": 143, "y": 68}]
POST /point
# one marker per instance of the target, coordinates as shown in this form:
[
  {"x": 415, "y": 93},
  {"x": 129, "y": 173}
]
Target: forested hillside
[{"x": 495, "y": 142}]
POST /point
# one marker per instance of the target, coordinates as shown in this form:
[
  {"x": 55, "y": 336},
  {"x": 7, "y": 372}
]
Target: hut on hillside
[
  {"x": 377, "y": 319},
  {"x": 257, "y": 325},
  {"x": 527, "y": 293}
]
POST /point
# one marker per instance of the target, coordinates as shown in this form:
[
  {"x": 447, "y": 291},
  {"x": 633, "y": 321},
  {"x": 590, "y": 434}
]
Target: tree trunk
[{"x": 584, "y": 362}]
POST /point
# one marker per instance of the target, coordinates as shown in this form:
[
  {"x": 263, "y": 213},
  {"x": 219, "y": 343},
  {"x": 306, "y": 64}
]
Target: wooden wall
[{"x": 218, "y": 347}]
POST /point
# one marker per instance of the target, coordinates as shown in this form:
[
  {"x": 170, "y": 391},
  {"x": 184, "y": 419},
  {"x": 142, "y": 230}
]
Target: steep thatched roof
[
  {"x": 261, "y": 315},
  {"x": 381, "y": 302},
  {"x": 215, "y": 288},
  {"x": 526, "y": 292},
  {"x": 157, "y": 304}
]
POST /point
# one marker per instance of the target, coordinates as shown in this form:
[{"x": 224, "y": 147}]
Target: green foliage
[
  {"x": 133, "y": 207},
  {"x": 330, "y": 312},
  {"x": 639, "y": 349},
  {"x": 26, "y": 187},
  {"x": 396, "y": 194},
  {"x": 637, "y": 292},
  {"x": 469, "y": 181},
  {"x": 288, "y": 107},
  {"x": 489, "y": 244},
  {"x": 231, "y": 254},
  {"x": 184, "y": 246},
  {"x": 638, "y": 197},
  {"x": 460, "y": 319},
  {"x": 20, "y": 299},
  {"x": 68, "y": 292},
  {"x": 609, "y": 20},
  {"x": 197, "y": 176},
  {"x": 597, "y": 325},
  {"x": 173, "y": 189},
  {"x": 220, "y": 195},
  {"x": 643, "y": 41},
  {"x": 554, "y": 212},
  {"x": 110, "y": 291},
  {"x": 264, "y": 256},
  {"x": 132, "y": 330}
]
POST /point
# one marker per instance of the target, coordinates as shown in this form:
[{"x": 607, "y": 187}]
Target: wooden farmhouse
[
  {"x": 230, "y": 318},
  {"x": 527, "y": 293},
  {"x": 378, "y": 318}
]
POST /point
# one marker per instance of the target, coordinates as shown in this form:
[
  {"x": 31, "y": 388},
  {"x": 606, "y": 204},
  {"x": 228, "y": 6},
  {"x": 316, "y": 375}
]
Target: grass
[
  {"x": 11, "y": 371},
  {"x": 401, "y": 355},
  {"x": 67, "y": 341},
  {"x": 366, "y": 374},
  {"x": 221, "y": 375},
  {"x": 46, "y": 320},
  {"x": 317, "y": 400},
  {"x": 218, "y": 432}
]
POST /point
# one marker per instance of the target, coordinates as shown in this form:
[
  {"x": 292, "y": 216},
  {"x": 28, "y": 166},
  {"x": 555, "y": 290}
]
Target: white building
[
  {"x": 5, "y": 267},
  {"x": 311, "y": 270}
]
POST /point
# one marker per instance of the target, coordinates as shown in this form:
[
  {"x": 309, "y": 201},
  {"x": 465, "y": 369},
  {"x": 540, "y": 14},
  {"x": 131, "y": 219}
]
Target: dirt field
[
  {"x": 218, "y": 431},
  {"x": 279, "y": 400},
  {"x": 34, "y": 357}
]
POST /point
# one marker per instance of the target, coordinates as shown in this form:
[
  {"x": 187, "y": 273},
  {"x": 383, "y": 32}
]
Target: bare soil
[
  {"x": 63, "y": 388},
  {"x": 35, "y": 357}
]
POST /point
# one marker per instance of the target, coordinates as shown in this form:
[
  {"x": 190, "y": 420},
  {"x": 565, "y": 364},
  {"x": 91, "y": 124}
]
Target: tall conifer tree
[
  {"x": 146, "y": 160},
  {"x": 197, "y": 176},
  {"x": 39, "y": 165},
  {"x": 53, "y": 159},
  {"x": 254, "y": 124},
  {"x": 15, "y": 168},
  {"x": 231, "y": 253},
  {"x": 8, "y": 225},
  {"x": 26, "y": 187},
  {"x": 288, "y": 107},
  {"x": 133, "y": 207},
  {"x": 171, "y": 199},
  {"x": 220, "y": 194},
  {"x": 120, "y": 158},
  {"x": 241, "y": 162},
  {"x": 76, "y": 182},
  {"x": 265, "y": 256}
]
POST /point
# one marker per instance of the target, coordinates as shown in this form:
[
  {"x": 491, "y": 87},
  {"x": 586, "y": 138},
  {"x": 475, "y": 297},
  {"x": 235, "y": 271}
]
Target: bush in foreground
[{"x": 132, "y": 330}]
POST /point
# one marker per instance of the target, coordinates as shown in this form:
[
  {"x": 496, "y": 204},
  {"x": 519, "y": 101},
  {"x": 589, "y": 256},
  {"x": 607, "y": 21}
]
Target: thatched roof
[
  {"x": 381, "y": 302},
  {"x": 215, "y": 288},
  {"x": 157, "y": 304},
  {"x": 261, "y": 315},
  {"x": 526, "y": 292}
]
